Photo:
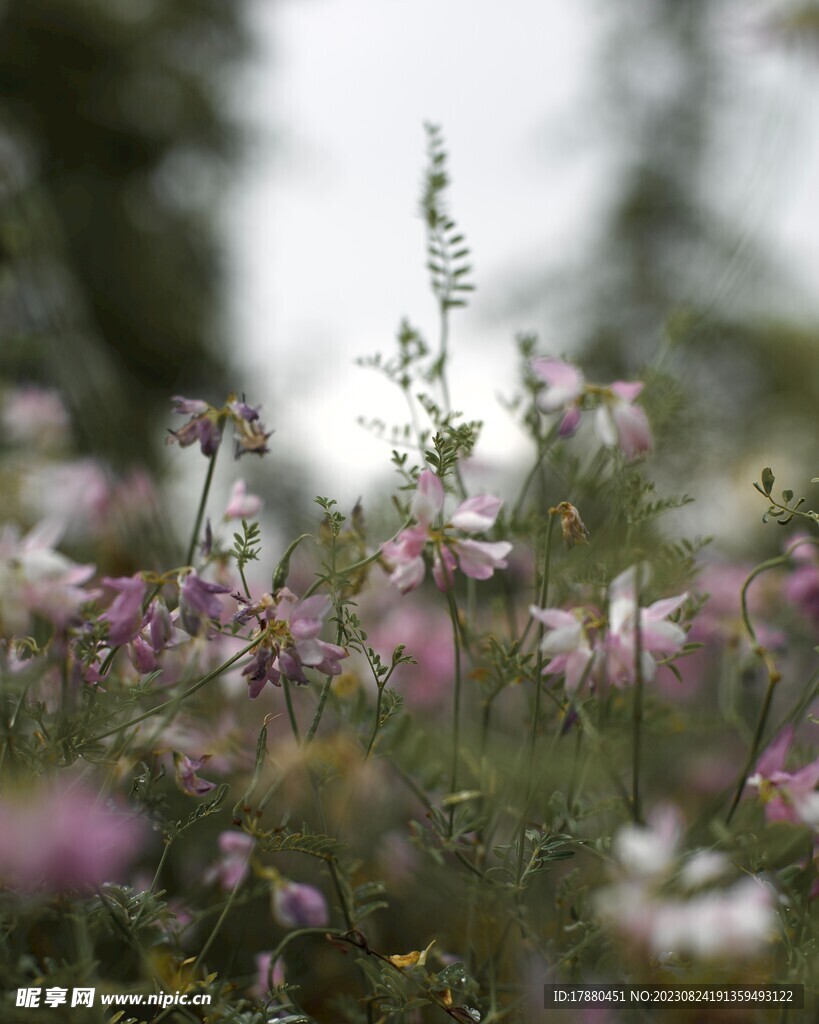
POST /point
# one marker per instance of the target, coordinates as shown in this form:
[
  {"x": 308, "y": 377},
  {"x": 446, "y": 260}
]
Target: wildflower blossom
[
  {"x": 198, "y": 601},
  {"x": 62, "y": 838},
  {"x": 188, "y": 781},
  {"x": 205, "y": 426},
  {"x": 269, "y": 975},
  {"x": 565, "y": 386},
  {"x": 658, "y": 635},
  {"x": 478, "y": 559},
  {"x": 788, "y": 796},
  {"x": 231, "y": 867},
  {"x": 295, "y": 905},
  {"x": 566, "y": 644},
  {"x": 125, "y": 617},
  {"x": 621, "y": 423},
  {"x": 242, "y": 505},
  {"x": 290, "y": 641}
]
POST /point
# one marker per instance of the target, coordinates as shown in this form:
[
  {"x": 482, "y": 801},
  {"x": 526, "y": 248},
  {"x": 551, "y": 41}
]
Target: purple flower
[
  {"x": 290, "y": 642},
  {"x": 268, "y": 974},
  {"x": 198, "y": 601},
  {"x": 125, "y": 616},
  {"x": 478, "y": 559},
  {"x": 186, "y": 777},
  {"x": 299, "y": 906},
  {"x": 202, "y": 427},
  {"x": 249, "y": 433},
  {"x": 231, "y": 867},
  {"x": 61, "y": 838}
]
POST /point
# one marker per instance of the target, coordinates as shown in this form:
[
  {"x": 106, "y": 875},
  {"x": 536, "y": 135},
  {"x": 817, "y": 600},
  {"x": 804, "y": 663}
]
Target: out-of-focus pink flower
[
  {"x": 125, "y": 617},
  {"x": 565, "y": 386},
  {"x": 290, "y": 642},
  {"x": 566, "y": 644},
  {"x": 198, "y": 601},
  {"x": 802, "y": 584},
  {"x": 35, "y": 578},
  {"x": 648, "y": 851},
  {"x": 231, "y": 866},
  {"x": 242, "y": 505},
  {"x": 788, "y": 796},
  {"x": 186, "y": 777},
  {"x": 77, "y": 493},
  {"x": 295, "y": 905},
  {"x": 621, "y": 423},
  {"x": 268, "y": 974},
  {"x": 658, "y": 635},
  {"x": 61, "y": 838},
  {"x": 478, "y": 559},
  {"x": 35, "y": 416}
]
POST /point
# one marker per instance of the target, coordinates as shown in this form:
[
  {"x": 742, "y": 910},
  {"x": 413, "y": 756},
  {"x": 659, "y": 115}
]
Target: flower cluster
[
  {"x": 617, "y": 420},
  {"x": 702, "y": 919},
  {"x": 577, "y": 644},
  {"x": 206, "y": 422},
  {"x": 404, "y": 556},
  {"x": 290, "y": 639}
]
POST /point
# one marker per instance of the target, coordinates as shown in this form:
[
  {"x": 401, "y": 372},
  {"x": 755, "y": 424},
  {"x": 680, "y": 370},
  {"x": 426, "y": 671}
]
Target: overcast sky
[{"x": 328, "y": 250}]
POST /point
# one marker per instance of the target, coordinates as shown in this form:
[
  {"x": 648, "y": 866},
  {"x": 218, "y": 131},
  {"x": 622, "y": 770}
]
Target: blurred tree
[{"x": 114, "y": 141}]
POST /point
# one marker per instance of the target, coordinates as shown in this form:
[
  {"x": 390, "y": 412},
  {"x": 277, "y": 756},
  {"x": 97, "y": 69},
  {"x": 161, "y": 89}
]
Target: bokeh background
[{"x": 196, "y": 194}]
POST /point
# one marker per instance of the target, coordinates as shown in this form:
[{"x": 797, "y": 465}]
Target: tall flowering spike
[
  {"x": 404, "y": 556},
  {"x": 622, "y": 424}
]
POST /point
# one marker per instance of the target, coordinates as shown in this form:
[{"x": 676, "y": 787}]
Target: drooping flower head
[
  {"x": 622, "y": 424},
  {"x": 404, "y": 556},
  {"x": 206, "y": 421},
  {"x": 296, "y": 905},
  {"x": 198, "y": 602},
  {"x": 565, "y": 386},
  {"x": 290, "y": 640},
  {"x": 567, "y": 644}
]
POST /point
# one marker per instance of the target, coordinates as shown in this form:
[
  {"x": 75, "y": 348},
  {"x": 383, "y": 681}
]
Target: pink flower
[
  {"x": 566, "y": 645},
  {"x": 34, "y": 416},
  {"x": 658, "y": 635},
  {"x": 622, "y": 424},
  {"x": 788, "y": 796},
  {"x": 268, "y": 974},
  {"x": 565, "y": 387},
  {"x": 242, "y": 505},
  {"x": 61, "y": 838},
  {"x": 186, "y": 777},
  {"x": 231, "y": 867},
  {"x": 125, "y": 616},
  {"x": 478, "y": 559},
  {"x": 299, "y": 906},
  {"x": 198, "y": 600},
  {"x": 290, "y": 642}
]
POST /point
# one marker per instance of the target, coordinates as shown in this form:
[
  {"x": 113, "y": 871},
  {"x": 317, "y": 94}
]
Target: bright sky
[{"x": 329, "y": 250}]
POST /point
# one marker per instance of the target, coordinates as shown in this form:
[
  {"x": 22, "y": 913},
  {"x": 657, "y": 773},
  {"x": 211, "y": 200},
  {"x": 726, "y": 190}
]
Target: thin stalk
[
  {"x": 544, "y": 597},
  {"x": 200, "y": 512},
  {"x": 291, "y": 714},
  {"x": 456, "y": 698},
  {"x": 178, "y": 699},
  {"x": 637, "y": 707}
]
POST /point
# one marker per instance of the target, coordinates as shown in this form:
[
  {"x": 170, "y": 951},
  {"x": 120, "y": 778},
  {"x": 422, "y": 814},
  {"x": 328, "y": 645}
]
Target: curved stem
[{"x": 178, "y": 699}]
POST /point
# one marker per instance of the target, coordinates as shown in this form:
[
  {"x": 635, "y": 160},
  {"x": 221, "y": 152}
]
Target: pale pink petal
[
  {"x": 632, "y": 428},
  {"x": 561, "y": 641},
  {"x": 478, "y": 514},
  {"x": 626, "y": 390},
  {"x": 242, "y": 505},
  {"x": 570, "y": 422},
  {"x": 773, "y": 760},
  {"x": 429, "y": 497},
  {"x": 662, "y": 609},
  {"x": 662, "y": 637},
  {"x": 554, "y": 618},
  {"x": 605, "y": 427},
  {"x": 443, "y": 569},
  {"x": 479, "y": 559},
  {"x": 564, "y": 383},
  {"x": 408, "y": 575},
  {"x": 576, "y": 665}
]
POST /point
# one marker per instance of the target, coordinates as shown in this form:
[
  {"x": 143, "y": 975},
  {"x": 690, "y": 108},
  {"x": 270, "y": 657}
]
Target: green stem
[
  {"x": 637, "y": 708},
  {"x": 178, "y": 699},
  {"x": 200, "y": 512},
  {"x": 225, "y": 911},
  {"x": 456, "y": 698},
  {"x": 544, "y": 597},
  {"x": 291, "y": 714}
]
